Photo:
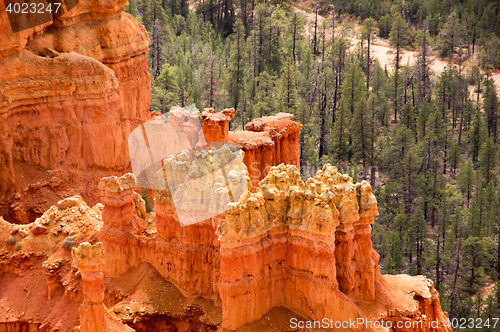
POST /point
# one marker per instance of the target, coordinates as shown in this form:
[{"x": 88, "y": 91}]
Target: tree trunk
[
  {"x": 211, "y": 99},
  {"x": 396, "y": 78},
  {"x": 433, "y": 213},
  {"x": 322, "y": 140},
  {"x": 473, "y": 273},
  {"x": 438, "y": 262},
  {"x": 455, "y": 279},
  {"x": 474, "y": 36},
  {"x": 368, "y": 63},
  {"x": 315, "y": 50},
  {"x": 478, "y": 89},
  {"x": 324, "y": 42}
]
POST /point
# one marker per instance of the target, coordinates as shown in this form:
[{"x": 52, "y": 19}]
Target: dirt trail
[{"x": 381, "y": 49}]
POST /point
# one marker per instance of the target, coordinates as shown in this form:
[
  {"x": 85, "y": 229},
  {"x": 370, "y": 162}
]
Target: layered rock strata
[
  {"x": 71, "y": 90},
  {"x": 40, "y": 286},
  {"x": 295, "y": 252},
  {"x": 187, "y": 256},
  {"x": 268, "y": 141},
  {"x": 89, "y": 259},
  {"x": 274, "y": 254},
  {"x": 301, "y": 246},
  {"x": 183, "y": 255}
]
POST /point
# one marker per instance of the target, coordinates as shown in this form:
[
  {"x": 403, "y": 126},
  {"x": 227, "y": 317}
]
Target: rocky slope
[
  {"x": 71, "y": 90},
  {"x": 289, "y": 252}
]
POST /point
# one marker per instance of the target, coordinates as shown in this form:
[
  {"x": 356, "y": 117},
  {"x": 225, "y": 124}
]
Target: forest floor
[
  {"x": 380, "y": 48},
  {"x": 487, "y": 291}
]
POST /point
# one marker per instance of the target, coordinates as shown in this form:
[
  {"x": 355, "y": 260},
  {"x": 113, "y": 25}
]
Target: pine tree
[
  {"x": 455, "y": 155},
  {"x": 131, "y": 8},
  {"x": 237, "y": 65},
  {"x": 340, "y": 132},
  {"x": 490, "y": 107},
  {"x": 417, "y": 235},
  {"x": 475, "y": 136},
  {"x": 398, "y": 40},
  {"x": 451, "y": 35},
  {"x": 353, "y": 86},
  {"x": 155, "y": 20},
  {"x": 488, "y": 161},
  {"x": 338, "y": 56},
  {"x": 378, "y": 96},
  {"x": 366, "y": 34},
  {"x": 408, "y": 118},
  {"x": 165, "y": 89},
  {"x": 423, "y": 64},
  {"x": 295, "y": 31},
  {"x": 361, "y": 131},
  {"x": 432, "y": 149},
  {"x": 384, "y": 26},
  {"x": 263, "y": 103},
  {"x": 288, "y": 88}
]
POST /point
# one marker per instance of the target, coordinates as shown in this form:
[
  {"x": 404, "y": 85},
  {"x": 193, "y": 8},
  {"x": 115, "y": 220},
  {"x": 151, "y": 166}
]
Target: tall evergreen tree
[
  {"x": 488, "y": 161},
  {"x": 361, "y": 130},
  {"x": 338, "y": 58},
  {"x": 295, "y": 32},
  {"x": 367, "y": 30},
  {"x": 237, "y": 64},
  {"x": 423, "y": 64},
  {"x": 288, "y": 88},
  {"x": 475, "y": 136},
  {"x": 451, "y": 35},
  {"x": 490, "y": 107},
  {"x": 398, "y": 40}
]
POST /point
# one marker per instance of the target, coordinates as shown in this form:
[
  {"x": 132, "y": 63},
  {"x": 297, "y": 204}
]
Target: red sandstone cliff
[
  {"x": 289, "y": 250},
  {"x": 71, "y": 90}
]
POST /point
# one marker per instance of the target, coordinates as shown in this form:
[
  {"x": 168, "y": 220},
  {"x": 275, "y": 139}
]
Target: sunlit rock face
[
  {"x": 71, "y": 90},
  {"x": 290, "y": 244},
  {"x": 301, "y": 245}
]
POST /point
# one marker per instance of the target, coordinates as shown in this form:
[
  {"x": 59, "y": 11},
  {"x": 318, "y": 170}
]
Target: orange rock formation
[
  {"x": 71, "y": 90},
  {"x": 268, "y": 141},
  {"x": 288, "y": 250},
  {"x": 301, "y": 246},
  {"x": 89, "y": 259}
]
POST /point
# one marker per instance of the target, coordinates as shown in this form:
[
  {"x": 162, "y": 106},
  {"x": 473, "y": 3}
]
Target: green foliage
[
  {"x": 384, "y": 26},
  {"x": 263, "y": 103},
  {"x": 165, "y": 90},
  {"x": 132, "y": 8},
  {"x": 467, "y": 179},
  {"x": 488, "y": 161},
  {"x": 451, "y": 35},
  {"x": 145, "y": 197}
]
